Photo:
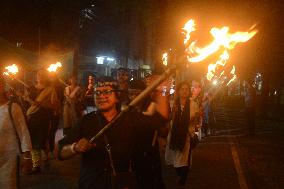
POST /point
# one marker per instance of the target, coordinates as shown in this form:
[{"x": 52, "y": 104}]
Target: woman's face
[
  {"x": 195, "y": 91},
  {"x": 184, "y": 91}
]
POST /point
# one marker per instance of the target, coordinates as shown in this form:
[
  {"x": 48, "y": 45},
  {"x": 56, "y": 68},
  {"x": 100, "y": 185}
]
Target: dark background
[{"x": 135, "y": 28}]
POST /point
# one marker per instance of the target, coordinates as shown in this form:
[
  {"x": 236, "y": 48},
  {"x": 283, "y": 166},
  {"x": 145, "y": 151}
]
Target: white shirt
[{"x": 8, "y": 138}]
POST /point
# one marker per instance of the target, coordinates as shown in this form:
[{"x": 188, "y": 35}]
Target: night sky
[{"x": 120, "y": 27}]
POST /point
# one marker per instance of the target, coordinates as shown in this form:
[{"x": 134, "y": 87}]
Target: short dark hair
[
  {"x": 106, "y": 81},
  {"x": 109, "y": 81}
]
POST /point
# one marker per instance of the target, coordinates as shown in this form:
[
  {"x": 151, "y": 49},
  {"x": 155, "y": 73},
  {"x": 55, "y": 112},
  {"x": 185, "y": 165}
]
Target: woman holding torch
[{"x": 44, "y": 102}]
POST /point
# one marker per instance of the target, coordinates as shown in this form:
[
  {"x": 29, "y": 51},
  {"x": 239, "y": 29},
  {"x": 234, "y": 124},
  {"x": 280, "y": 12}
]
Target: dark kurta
[
  {"x": 95, "y": 166},
  {"x": 38, "y": 123}
]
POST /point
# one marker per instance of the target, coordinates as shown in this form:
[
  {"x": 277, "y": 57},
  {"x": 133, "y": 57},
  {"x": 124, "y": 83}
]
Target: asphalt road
[{"x": 226, "y": 159}]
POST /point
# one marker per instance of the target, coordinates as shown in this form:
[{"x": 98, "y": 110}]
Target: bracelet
[{"x": 72, "y": 148}]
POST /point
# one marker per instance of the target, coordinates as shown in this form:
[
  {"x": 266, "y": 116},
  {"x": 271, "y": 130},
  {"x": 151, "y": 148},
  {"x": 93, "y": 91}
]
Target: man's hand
[{"x": 83, "y": 145}]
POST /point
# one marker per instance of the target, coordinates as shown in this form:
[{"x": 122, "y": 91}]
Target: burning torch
[
  {"x": 223, "y": 40},
  {"x": 53, "y": 68},
  {"x": 12, "y": 70}
]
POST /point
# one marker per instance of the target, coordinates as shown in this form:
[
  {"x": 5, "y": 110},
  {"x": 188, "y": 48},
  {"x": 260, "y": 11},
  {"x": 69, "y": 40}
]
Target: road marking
[{"x": 241, "y": 176}]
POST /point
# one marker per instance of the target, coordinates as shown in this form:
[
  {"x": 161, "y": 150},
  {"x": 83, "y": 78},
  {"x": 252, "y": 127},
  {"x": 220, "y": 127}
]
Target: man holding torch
[{"x": 108, "y": 163}]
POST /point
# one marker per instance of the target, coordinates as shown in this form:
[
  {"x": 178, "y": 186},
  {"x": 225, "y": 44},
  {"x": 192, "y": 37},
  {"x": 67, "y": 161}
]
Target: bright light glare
[
  {"x": 215, "y": 82},
  {"x": 100, "y": 60},
  {"x": 53, "y": 67},
  {"x": 13, "y": 69},
  {"x": 110, "y": 59}
]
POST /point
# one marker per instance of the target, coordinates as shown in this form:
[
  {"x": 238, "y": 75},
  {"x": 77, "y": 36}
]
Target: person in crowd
[
  {"x": 44, "y": 102},
  {"x": 73, "y": 105},
  {"x": 146, "y": 159},
  {"x": 249, "y": 97},
  {"x": 55, "y": 117},
  {"x": 112, "y": 153},
  {"x": 122, "y": 77},
  {"x": 196, "y": 96},
  {"x": 15, "y": 138},
  {"x": 89, "y": 95},
  {"x": 207, "y": 114},
  {"x": 185, "y": 119}
]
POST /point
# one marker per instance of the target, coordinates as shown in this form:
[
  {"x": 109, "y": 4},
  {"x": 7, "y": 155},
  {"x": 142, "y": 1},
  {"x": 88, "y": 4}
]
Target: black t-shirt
[{"x": 122, "y": 137}]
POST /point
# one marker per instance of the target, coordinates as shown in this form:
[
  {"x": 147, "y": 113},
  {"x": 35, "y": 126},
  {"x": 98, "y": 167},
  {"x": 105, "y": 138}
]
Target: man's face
[
  {"x": 105, "y": 98},
  {"x": 122, "y": 76}
]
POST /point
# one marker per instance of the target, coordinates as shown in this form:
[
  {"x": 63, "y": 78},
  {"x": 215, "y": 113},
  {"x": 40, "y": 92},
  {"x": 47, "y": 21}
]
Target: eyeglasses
[{"x": 104, "y": 92}]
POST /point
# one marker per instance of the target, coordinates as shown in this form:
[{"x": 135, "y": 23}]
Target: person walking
[
  {"x": 122, "y": 78},
  {"x": 15, "y": 139},
  {"x": 249, "y": 98},
  {"x": 73, "y": 105},
  {"x": 185, "y": 119},
  {"x": 44, "y": 102},
  {"x": 108, "y": 163},
  {"x": 146, "y": 156},
  {"x": 89, "y": 96}
]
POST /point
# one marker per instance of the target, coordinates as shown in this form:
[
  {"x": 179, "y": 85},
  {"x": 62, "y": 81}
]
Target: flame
[
  {"x": 165, "y": 59},
  {"x": 188, "y": 28},
  {"x": 13, "y": 69},
  {"x": 222, "y": 40},
  {"x": 234, "y": 75},
  {"x": 53, "y": 67},
  {"x": 212, "y": 68}
]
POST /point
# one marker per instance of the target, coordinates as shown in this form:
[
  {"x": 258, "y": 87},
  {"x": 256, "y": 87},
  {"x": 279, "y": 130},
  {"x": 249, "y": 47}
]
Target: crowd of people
[{"x": 127, "y": 155}]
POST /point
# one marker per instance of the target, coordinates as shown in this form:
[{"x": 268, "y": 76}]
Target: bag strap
[
  {"x": 108, "y": 148},
  {"x": 13, "y": 124}
]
